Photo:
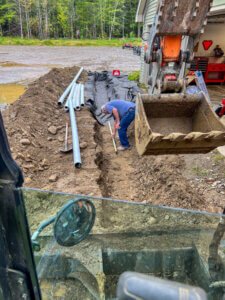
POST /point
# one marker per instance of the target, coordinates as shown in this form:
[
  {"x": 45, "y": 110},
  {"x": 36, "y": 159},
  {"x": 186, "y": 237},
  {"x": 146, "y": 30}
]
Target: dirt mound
[
  {"x": 36, "y": 128},
  {"x": 161, "y": 181}
]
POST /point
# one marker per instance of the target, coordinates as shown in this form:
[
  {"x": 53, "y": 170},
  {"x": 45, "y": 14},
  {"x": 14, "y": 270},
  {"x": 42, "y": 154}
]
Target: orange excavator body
[{"x": 171, "y": 45}]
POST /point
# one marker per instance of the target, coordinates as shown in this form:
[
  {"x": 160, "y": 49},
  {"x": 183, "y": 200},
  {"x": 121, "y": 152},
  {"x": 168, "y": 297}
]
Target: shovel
[
  {"x": 66, "y": 149},
  {"x": 113, "y": 140}
]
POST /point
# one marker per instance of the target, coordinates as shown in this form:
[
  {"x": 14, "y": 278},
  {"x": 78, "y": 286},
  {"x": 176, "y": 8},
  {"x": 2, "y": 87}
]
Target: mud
[
  {"x": 10, "y": 92},
  {"x": 178, "y": 181}
]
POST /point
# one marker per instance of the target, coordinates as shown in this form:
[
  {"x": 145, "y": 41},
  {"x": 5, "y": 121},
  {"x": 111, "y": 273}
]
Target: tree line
[{"x": 71, "y": 19}]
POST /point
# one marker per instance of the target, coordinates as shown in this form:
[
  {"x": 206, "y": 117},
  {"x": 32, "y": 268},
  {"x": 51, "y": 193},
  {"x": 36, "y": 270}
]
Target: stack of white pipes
[
  {"x": 76, "y": 95},
  {"x": 73, "y": 97}
]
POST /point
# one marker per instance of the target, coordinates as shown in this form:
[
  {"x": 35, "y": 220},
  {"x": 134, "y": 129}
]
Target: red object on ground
[
  {"x": 207, "y": 44},
  {"x": 222, "y": 112},
  {"x": 116, "y": 72}
]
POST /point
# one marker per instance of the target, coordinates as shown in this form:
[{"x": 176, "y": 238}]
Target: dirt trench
[
  {"x": 116, "y": 169},
  {"x": 158, "y": 180}
]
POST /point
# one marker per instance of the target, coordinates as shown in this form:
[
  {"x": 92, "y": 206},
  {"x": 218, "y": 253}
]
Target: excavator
[
  {"x": 80, "y": 252},
  {"x": 169, "y": 119}
]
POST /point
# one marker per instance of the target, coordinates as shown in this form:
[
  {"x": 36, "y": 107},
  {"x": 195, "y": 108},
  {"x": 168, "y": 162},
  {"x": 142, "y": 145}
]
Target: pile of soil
[
  {"x": 165, "y": 184},
  {"x": 36, "y": 127}
]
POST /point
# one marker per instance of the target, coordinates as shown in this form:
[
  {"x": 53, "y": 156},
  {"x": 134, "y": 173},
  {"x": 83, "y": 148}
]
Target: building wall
[
  {"x": 209, "y": 34},
  {"x": 218, "y": 2},
  {"x": 150, "y": 10},
  {"x": 218, "y": 7}
]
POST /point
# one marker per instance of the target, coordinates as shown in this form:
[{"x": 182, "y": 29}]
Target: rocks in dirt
[
  {"x": 53, "y": 178},
  {"x": 92, "y": 145},
  {"x": 216, "y": 183},
  {"x": 83, "y": 145},
  {"x": 28, "y": 166},
  {"x": 28, "y": 180},
  {"x": 28, "y": 158},
  {"x": 19, "y": 156},
  {"x": 61, "y": 139},
  {"x": 53, "y": 130},
  {"x": 44, "y": 163},
  {"x": 25, "y": 142},
  {"x": 160, "y": 178}
]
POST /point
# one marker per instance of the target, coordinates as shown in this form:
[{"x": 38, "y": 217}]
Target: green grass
[
  {"x": 217, "y": 157},
  {"x": 143, "y": 86},
  {"x": 200, "y": 171},
  {"x": 134, "y": 76},
  {"x": 67, "y": 42}
]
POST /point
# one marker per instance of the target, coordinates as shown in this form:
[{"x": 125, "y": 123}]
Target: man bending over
[{"x": 123, "y": 113}]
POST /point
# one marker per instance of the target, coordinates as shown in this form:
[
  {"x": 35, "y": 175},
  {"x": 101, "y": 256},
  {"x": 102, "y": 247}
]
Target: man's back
[{"x": 122, "y": 106}]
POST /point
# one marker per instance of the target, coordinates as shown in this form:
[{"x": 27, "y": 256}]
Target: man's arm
[{"x": 117, "y": 120}]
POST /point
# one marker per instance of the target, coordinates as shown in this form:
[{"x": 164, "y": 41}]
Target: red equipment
[
  {"x": 116, "y": 72},
  {"x": 213, "y": 72},
  {"x": 222, "y": 112}
]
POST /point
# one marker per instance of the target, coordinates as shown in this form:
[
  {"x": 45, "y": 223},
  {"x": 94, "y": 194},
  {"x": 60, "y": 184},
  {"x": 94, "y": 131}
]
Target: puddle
[
  {"x": 9, "y": 93},
  {"x": 11, "y": 64}
]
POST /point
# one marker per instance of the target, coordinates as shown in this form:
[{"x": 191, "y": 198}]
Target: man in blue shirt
[{"x": 123, "y": 113}]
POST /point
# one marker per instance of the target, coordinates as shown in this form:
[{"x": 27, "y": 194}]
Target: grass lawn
[{"x": 65, "y": 42}]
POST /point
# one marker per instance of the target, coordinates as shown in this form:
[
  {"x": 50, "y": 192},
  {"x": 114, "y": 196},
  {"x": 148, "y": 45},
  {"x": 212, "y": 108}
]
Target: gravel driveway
[{"x": 25, "y": 63}]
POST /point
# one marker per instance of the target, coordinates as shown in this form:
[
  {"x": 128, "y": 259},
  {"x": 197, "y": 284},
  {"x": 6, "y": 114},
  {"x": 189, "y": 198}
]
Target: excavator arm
[
  {"x": 176, "y": 29},
  {"x": 169, "y": 119}
]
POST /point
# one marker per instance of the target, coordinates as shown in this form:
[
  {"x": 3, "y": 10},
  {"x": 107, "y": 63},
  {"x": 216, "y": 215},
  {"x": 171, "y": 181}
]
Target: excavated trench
[
  {"x": 117, "y": 179},
  {"x": 102, "y": 163}
]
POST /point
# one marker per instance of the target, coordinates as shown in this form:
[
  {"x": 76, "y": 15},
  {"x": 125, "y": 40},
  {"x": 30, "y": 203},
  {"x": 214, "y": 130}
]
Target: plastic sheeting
[{"x": 103, "y": 87}]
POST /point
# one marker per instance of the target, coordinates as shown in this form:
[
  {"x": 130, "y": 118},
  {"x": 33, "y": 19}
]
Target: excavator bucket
[{"x": 176, "y": 124}]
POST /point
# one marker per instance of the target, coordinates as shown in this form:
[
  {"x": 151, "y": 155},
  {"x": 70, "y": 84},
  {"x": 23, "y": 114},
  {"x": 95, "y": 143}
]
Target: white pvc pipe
[
  {"x": 75, "y": 137},
  {"x": 75, "y": 95},
  {"x": 77, "y": 98},
  {"x": 82, "y": 95},
  {"x": 67, "y": 91},
  {"x": 70, "y": 96}
]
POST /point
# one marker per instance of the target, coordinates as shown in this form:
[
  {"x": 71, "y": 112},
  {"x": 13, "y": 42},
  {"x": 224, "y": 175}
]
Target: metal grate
[{"x": 199, "y": 65}]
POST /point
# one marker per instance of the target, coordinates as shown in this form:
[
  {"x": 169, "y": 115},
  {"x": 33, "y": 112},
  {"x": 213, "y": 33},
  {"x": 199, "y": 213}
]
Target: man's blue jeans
[{"x": 126, "y": 120}]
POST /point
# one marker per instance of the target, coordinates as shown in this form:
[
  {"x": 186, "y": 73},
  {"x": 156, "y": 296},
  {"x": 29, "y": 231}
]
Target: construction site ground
[{"x": 36, "y": 127}]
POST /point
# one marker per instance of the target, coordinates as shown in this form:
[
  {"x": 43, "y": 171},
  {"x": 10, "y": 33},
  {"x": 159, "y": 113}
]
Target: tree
[
  {"x": 7, "y": 15},
  {"x": 61, "y": 18}
]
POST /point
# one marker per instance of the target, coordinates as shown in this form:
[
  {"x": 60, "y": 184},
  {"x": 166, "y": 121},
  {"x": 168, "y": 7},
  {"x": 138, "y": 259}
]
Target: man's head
[{"x": 104, "y": 109}]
